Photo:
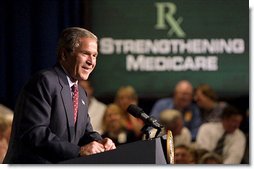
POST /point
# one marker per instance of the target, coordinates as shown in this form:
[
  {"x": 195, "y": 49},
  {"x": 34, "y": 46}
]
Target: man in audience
[
  {"x": 172, "y": 120},
  {"x": 96, "y": 108},
  {"x": 224, "y": 137},
  {"x": 182, "y": 101}
]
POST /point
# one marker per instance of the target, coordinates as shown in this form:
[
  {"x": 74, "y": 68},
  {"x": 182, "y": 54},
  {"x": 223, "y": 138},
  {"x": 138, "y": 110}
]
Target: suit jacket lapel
[
  {"x": 66, "y": 96},
  {"x": 67, "y": 101}
]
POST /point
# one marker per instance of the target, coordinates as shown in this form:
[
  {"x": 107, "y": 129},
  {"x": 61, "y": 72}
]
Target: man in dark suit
[{"x": 48, "y": 127}]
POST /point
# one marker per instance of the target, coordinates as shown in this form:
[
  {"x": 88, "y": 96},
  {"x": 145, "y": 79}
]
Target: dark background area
[{"x": 28, "y": 37}]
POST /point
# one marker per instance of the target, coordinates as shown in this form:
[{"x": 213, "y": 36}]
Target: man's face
[
  {"x": 125, "y": 99},
  {"x": 81, "y": 62},
  {"x": 183, "y": 95},
  {"x": 113, "y": 119},
  {"x": 232, "y": 123},
  {"x": 182, "y": 156},
  {"x": 183, "y": 98}
]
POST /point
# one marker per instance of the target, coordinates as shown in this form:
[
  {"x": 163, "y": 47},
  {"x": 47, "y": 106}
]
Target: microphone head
[{"x": 134, "y": 110}]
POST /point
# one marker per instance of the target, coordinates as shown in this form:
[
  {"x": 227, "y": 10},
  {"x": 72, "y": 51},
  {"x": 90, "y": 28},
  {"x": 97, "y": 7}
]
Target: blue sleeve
[
  {"x": 196, "y": 122},
  {"x": 159, "y": 106},
  {"x": 155, "y": 112}
]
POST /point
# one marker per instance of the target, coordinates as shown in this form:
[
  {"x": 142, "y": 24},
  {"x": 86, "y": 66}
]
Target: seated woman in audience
[
  {"x": 207, "y": 100},
  {"x": 114, "y": 128},
  {"x": 125, "y": 96}
]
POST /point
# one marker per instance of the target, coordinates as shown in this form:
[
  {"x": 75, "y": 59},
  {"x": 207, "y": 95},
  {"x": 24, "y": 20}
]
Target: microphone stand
[
  {"x": 147, "y": 131},
  {"x": 157, "y": 132}
]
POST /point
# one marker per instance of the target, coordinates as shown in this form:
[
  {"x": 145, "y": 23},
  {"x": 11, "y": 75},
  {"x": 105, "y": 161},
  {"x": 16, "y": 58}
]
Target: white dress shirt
[
  {"x": 96, "y": 111},
  {"x": 183, "y": 138},
  {"x": 234, "y": 144}
]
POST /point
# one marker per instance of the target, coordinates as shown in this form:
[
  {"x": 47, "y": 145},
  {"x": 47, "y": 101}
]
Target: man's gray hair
[{"x": 70, "y": 39}]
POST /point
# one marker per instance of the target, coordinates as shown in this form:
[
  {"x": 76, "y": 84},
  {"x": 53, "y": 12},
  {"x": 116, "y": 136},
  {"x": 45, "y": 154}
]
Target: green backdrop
[{"x": 222, "y": 27}]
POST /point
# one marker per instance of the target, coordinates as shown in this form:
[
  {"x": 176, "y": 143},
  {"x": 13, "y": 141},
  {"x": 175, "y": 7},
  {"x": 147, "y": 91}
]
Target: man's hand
[
  {"x": 108, "y": 144},
  {"x": 91, "y": 148},
  {"x": 97, "y": 147}
]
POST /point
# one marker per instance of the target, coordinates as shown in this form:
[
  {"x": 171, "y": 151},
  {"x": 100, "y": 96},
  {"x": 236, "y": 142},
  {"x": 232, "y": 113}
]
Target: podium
[{"x": 139, "y": 152}]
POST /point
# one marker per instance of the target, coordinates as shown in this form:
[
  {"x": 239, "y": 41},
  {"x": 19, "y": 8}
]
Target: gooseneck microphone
[{"x": 139, "y": 113}]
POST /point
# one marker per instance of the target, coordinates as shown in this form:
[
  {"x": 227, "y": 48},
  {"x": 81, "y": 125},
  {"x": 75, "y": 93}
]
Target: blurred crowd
[{"x": 205, "y": 129}]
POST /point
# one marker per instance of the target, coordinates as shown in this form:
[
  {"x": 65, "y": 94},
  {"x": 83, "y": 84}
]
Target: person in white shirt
[
  {"x": 234, "y": 144},
  {"x": 96, "y": 108}
]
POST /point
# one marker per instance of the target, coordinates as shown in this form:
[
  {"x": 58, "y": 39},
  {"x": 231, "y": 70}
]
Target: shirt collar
[
  {"x": 70, "y": 82},
  {"x": 68, "y": 78}
]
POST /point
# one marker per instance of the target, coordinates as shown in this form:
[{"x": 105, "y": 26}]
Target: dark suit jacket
[{"x": 43, "y": 126}]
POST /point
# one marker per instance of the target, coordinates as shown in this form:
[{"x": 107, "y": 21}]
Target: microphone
[{"x": 139, "y": 113}]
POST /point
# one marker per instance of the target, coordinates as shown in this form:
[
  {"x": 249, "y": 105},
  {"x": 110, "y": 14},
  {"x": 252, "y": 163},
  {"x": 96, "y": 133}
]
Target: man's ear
[{"x": 63, "y": 54}]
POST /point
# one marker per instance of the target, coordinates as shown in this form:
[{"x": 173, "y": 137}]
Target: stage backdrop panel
[{"x": 154, "y": 44}]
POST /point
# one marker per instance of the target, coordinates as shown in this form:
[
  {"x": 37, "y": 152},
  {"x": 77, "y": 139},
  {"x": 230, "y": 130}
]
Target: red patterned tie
[{"x": 75, "y": 101}]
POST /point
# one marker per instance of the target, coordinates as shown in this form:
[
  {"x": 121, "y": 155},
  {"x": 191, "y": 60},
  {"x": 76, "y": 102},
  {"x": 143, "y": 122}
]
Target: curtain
[{"x": 29, "y": 30}]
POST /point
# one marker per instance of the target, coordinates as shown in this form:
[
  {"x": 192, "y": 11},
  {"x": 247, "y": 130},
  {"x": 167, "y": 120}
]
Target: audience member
[
  {"x": 194, "y": 155},
  {"x": 3, "y": 142},
  {"x": 96, "y": 108},
  {"x": 172, "y": 120},
  {"x": 207, "y": 101},
  {"x": 244, "y": 127},
  {"x": 224, "y": 137},
  {"x": 183, "y": 155},
  {"x": 125, "y": 96},
  {"x": 182, "y": 101},
  {"x": 113, "y": 126},
  {"x": 5, "y": 110},
  {"x": 5, "y": 132},
  {"x": 7, "y": 114}
]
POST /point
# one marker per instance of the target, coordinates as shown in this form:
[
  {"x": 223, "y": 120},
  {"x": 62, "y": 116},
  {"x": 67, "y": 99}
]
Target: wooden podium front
[{"x": 140, "y": 152}]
